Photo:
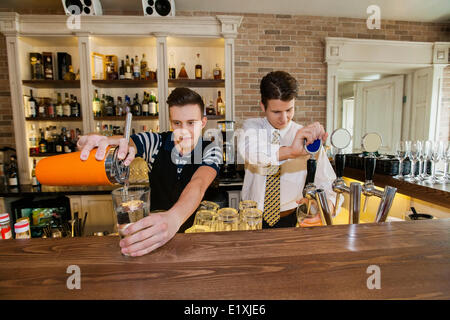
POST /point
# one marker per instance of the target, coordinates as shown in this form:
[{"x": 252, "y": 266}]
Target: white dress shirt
[{"x": 255, "y": 148}]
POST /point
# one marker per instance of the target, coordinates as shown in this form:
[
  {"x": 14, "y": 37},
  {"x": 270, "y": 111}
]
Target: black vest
[{"x": 165, "y": 183}]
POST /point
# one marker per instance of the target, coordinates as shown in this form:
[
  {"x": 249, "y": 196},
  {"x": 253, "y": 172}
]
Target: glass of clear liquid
[{"x": 131, "y": 204}]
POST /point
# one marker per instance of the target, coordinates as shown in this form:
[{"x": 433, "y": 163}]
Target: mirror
[{"x": 340, "y": 139}]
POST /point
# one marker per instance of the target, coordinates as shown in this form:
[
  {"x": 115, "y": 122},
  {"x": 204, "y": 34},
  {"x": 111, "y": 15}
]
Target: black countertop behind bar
[{"x": 28, "y": 190}]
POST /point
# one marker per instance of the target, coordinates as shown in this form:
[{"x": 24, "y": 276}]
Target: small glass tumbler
[
  {"x": 204, "y": 220},
  {"x": 227, "y": 219},
  {"x": 251, "y": 219}
]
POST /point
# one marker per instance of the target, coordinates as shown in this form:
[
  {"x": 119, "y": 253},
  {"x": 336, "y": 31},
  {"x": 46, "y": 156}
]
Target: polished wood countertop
[
  {"x": 290, "y": 263},
  {"x": 435, "y": 193}
]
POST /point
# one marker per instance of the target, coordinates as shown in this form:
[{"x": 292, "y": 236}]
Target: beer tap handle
[
  {"x": 369, "y": 167},
  {"x": 311, "y": 166},
  {"x": 339, "y": 161}
]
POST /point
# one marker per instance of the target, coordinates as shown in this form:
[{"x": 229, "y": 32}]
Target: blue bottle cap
[{"x": 313, "y": 147}]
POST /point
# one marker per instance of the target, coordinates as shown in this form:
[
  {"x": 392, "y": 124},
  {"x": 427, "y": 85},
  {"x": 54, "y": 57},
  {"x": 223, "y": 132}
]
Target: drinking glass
[
  {"x": 400, "y": 149},
  {"x": 426, "y": 155},
  {"x": 251, "y": 219},
  {"x": 204, "y": 220},
  {"x": 208, "y": 205},
  {"x": 227, "y": 219},
  {"x": 131, "y": 204},
  {"x": 437, "y": 153},
  {"x": 414, "y": 154},
  {"x": 447, "y": 160},
  {"x": 246, "y": 204}
]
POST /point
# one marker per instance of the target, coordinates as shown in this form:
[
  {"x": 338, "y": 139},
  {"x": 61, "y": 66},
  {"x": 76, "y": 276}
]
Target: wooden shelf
[
  {"x": 197, "y": 83},
  {"x": 215, "y": 117},
  {"x": 56, "y": 119},
  {"x": 125, "y": 83},
  {"x": 47, "y": 154},
  {"x": 59, "y": 84},
  {"x": 122, "y": 118}
]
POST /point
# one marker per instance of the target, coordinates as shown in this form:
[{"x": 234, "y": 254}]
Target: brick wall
[{"x": 269, "y": 42}]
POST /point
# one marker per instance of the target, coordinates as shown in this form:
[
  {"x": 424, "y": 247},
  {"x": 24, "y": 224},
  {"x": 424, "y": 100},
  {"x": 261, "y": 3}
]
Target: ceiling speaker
[
  {"x": 83, "y": 7},
  {"x": 159, "y": 8}
]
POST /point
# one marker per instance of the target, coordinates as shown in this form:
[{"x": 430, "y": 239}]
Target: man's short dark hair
[
  {"x": 183, "y": 96},
  {"x": 278, "y": 85}
]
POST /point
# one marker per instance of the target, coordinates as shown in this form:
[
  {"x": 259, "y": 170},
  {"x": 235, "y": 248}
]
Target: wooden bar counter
[{"x": 292, "y": 263}]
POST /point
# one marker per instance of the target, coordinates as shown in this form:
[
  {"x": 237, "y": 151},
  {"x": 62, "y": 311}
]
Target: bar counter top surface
[{"x": 291, "y": 263}]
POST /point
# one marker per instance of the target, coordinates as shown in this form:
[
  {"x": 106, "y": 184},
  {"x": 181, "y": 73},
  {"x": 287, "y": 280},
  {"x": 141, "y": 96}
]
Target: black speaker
[
  {"x": 159, "y": 8},
  {"x": 83, "y": 7}
]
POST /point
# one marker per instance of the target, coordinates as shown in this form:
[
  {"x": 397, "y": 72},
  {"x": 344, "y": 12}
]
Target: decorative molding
[
  {"x": 441, "y": 52},
  {"x": 230, "y": 24}
]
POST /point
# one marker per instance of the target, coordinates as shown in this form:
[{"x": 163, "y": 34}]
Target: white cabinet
[{"x": 100, "y": 212}]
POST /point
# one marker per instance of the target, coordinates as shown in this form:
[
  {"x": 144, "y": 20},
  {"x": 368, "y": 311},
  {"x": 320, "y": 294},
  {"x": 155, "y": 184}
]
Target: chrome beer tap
[
  {"x": 371, "y": 143},
  {"x": 340, "y": 139},
  {"x": 310, "y": 191}
]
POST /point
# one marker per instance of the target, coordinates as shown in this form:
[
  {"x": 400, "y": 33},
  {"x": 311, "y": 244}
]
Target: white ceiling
[{"x": 406, "y": 10}]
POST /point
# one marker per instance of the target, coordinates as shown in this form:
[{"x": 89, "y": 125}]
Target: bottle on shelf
[
  {"x": 183, "y": 74},
  {"x": 136, "y": 69},
  {"x": 32, "y": 105},
  {"x": 152, "y": 104},
  {"x": 220, "y": 105},
  {"x": 50, "y": 134},
  {"x": 127, "y": 104},
  {"x": 12, "y": 173},
  {"x": 111, "y": 73},
  {"x": 98, "y": 128},
  {"x": 119, "y": 107},
  {"x": 145, "y": 107},
  {"x": 42, "y": 142},
  {"x": 102, "y": 105},
  {"x": 42, "y": 108},
  {"x": 34, "y": 181},
  {"x": 67, "y": 142},
  {"x": 37, "y": 70},
  {"x": 70, "y": 75},
  {"x": 59, "y": 143},
  {"x": 48, "y": 65},
  {"x": 210, "y": 109},
  {"x": 33, "y": 141},
  {"x": 75, "y": 108},
  {"x": 198, "y": 68},
  {"x": 128, "y": 70},
  {"x": 59, "y": 106},
  {"x": 109, "y": 106},
  {"x": 51, "y": 109},
  {"x": 172, "y": 71},
  {"x": 121, "y": 71},
  {"x": 96, "y": 107},
  {"x": 137, "y": 108},
  {"x": 217, "y": 72},
  {"x": 144, "y": 69},
  {"x": 66, "y": 106}
]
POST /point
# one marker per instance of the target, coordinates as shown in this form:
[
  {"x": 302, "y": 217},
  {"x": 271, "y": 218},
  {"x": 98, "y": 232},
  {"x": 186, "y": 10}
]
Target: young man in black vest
[{"x": 181, "y": 165}]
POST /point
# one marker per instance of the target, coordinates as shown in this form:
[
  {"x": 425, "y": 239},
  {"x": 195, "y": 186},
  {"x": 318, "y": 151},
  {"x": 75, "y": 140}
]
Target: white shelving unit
[{"x": 212, "y": 37}]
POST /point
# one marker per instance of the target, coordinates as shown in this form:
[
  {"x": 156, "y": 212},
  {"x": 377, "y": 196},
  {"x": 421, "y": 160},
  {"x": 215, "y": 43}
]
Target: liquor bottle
[
  {"x": 75, "y": 110},
  {"x": 96, "y": 108},
  {"x": 198, "y": 68},
  {"x": 119, "y": 107},
  {"x": 145, "y": 102},
  {"x": 137, "y": 108},
  {"x": 32, "y": 105},
  {"x": 109, "y": 106},
  {"x": 33, "y": 141},
  {"x": 70, "y": 75},
  {"x": 49, "y": 137},
  {"x": 34, "y": 182},
  {"x": 127, "y": 104},
  {"x": 59, "y": 144},
  {"x": 98, "y": 128},
  {"x": 210, "y": 109},
  {"x": 220, "y": 105},
  {"x": 172, "y": 71},
  {"x": 73, "y": 140},
  {"x": 132, "y": 68},
  {"x": 59, "y": 106},
  {"x": 121, "y": 71},
  {"x": 64, "y": 61},
  {"x": 102, "y": 106},
  {"x": 136, "y": 69},
  {"x": 217, "y": 72},
  {"x": 183, "y": 74},
  {"x": 144, "y": 68},
  {"x": 67, "y": 142},
  {"x": 37, "y": 70},
  {"x": 51, "y": 109},
  {"x": 48, "y": 65},
  {"x": 66, "y": 106},
  {"x": 42, "y": 108},
  {"x": 128, "y": 70},
  {"x": 152, "y": 104},
  {"x": 12, "y": 173},
  {"x": 42, "y": 142},
  {"x": 111, "y": 73}
]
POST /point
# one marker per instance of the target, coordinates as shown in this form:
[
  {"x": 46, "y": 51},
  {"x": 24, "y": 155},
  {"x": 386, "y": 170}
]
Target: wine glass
[
  {"x": 437, "y": 153},
  {"x": 414, "y": 153},
  {"x": 400, "y": 148},
  {"x": 426, "y": 155},
  {"x": 447, "y": 160}
]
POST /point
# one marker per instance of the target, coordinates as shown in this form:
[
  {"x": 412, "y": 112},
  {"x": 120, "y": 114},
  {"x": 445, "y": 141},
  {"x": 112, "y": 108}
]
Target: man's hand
[
  {"x": 309, "y": 133},
  {"x": 91, "y": 141},
  {"x": 149, "y": 233}
]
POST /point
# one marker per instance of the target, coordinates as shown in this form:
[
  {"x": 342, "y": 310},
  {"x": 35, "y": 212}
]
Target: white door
[
  {"x": 421, "y": 102},
  {"x": 378, "y": 108},
  {"x": 348, "y": 108}
]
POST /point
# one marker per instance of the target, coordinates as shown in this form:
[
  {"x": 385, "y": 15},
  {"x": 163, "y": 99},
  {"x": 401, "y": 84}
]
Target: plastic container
[
  {"x": 5, "y": 227},
  {"x": 22, "y": 230}
]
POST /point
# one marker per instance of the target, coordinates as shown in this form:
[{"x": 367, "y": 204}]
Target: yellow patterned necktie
[{"x": 272, "y": 195}]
